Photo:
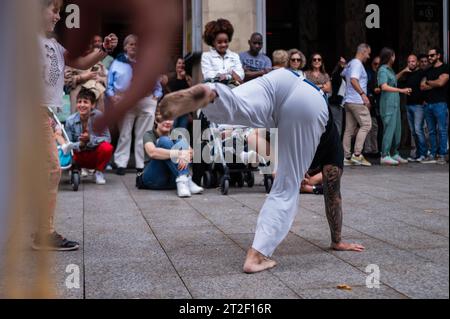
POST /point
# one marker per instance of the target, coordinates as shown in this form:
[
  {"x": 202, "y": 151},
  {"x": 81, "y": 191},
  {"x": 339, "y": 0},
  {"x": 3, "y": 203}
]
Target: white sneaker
[
  {"x": 100, "y": 178},
  {"x": 183, "y": 186},
  {"x": 194, "y": 188},
  {"x": 67, "y": 148},
  {"x": 388, "y": 161},
  {"x": 84, "y": 173}
]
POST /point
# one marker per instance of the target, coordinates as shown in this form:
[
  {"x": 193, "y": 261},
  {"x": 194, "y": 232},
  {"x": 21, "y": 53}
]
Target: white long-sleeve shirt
[{"x": 214, "y": 65}]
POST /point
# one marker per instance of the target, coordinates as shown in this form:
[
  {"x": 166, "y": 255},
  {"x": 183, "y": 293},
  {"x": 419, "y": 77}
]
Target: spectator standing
[
  {"x": 176, "y": 82},
  {"x": 280, "y": 59},
  {"x": 54, "y": 58},
  {"x": 97, "y": 43},
  {"x": 316, "y": 73},
  {"x": 141, "y": 117},
  {"x": 435, "y": 84},
  {"x": 336, "y": 100},
  {"x": 220, "y": 64},
  {"x": 357, "y": 107},
  {"x": 375, "y": 137},
  {"x": 254, "y": 62},
  {"x": 411, "y": 77},
  {"x": 297, "y": 61},
  {"x": 390, "y": 109}
]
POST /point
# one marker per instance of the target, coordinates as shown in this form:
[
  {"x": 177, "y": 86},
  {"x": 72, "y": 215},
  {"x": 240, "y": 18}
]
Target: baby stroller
[
  {"x": 223, "y": 168},
  {"x": 66, "y": 159}
]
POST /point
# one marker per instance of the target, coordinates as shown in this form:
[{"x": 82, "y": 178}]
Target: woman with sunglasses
[
  {"x": 316, "y": 73},
  {"x": 297, "y": 61}
]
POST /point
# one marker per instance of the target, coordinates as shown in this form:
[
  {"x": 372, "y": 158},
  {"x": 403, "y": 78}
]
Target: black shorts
[{"x": 330, "y": 150}]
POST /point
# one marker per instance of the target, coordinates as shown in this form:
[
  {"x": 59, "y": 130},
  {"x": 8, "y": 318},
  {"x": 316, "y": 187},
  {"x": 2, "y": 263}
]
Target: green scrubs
[{"x": 390, "y": 112}]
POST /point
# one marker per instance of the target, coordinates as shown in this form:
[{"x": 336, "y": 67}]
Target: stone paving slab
[{"x": 151, "y": 244}]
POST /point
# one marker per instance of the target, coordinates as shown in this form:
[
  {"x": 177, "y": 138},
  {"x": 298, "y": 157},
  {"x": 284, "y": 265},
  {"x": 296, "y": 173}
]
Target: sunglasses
[
  {"x": 317, "y": 60},
  {"x": 296, "y": 60},
  {"x": 432, "y": 55}
]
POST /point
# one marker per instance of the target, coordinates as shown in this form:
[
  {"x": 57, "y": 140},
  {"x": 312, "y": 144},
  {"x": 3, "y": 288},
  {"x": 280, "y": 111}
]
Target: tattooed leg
[{"x": 333, "y": 206}]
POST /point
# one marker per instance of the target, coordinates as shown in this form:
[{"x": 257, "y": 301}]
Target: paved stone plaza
[{"x": 148, "y": 244}]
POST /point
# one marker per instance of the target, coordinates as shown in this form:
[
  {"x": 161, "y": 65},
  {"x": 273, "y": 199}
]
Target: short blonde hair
[{"x": 280, "y": 58}]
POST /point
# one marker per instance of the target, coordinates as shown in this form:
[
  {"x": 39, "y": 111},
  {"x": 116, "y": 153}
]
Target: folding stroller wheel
[
  {"x": 250, "y": 179},
  {"x": 268, "y": 182},
  {"x": 225, "y": 186},
  {"x": 75, "y": 180}
]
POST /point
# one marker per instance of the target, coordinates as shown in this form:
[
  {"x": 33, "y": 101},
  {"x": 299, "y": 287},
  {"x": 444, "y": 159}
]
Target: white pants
[
  {"x": 299, "y": 111},
  {"x": 142, "y": 118}
]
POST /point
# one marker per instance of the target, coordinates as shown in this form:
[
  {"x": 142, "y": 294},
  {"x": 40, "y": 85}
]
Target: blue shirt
[
  {"x": 255, "y": 63},
  {"x": 119, "y": 78}
]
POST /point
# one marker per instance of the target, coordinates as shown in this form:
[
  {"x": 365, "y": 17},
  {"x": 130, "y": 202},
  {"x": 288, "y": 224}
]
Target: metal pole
[
  {"x": 261, "y": 21},
  {"x": 197, "y": 25},
  {"x": 445, "y": 29}
]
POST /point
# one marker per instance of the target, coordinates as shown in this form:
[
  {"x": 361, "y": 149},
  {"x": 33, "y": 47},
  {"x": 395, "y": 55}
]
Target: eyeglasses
[
  {"x": 317, "y": 60},
  {"x": 431, "y": 55},
  {"x": 296, "y": 60}
]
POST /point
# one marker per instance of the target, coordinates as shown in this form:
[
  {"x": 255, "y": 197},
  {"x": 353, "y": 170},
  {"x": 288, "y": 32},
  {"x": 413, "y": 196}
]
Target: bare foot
[
  {"x": 257, "y": 262},
  {"x": 182, "y": 102},
  {"x": 347, "y": 247}
]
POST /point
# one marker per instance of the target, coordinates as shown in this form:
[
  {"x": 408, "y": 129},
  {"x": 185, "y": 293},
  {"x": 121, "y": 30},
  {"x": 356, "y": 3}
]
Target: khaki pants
[
  {"x": 356, "y": 114},
  {"x": 141, "y": 118},
  {"x": 53, "y": 169}
]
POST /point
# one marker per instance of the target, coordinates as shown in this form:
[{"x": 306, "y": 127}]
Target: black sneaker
[
  {"x": 318, "y": 190},
  {"x": 55, "y": 242},
  {"x": 121, "y": 171}
]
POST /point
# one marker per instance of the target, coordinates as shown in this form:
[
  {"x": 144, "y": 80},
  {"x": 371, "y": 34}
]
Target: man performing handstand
[{"x": 307, "y": 138}]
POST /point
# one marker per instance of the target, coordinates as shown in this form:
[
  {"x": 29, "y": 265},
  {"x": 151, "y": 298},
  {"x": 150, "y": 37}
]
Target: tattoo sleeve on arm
[{"x": 333, "y": 200}]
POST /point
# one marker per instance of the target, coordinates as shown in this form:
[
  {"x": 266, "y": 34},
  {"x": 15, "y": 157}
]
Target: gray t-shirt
[
  {"x": 252, "y": 63},
  {"x": 149, "y": 137}
]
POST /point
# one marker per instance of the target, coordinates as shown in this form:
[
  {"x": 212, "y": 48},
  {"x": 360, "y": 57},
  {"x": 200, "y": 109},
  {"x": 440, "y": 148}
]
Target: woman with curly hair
[{"x": 220, "y": 64}]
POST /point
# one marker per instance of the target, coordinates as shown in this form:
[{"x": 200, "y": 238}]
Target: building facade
[{"x": 334, "y": 28}]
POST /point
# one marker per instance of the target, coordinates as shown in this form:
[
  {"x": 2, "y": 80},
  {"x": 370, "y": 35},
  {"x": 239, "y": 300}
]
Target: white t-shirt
[
  {"x": 355, "y": 70},
  {"x": 52, "y": 64}
]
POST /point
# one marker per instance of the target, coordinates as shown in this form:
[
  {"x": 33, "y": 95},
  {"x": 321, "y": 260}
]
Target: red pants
[{"x": 97, "y": 159}]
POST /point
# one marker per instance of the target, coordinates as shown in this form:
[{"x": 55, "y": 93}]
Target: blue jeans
[
  {"x": 436, "y": 116},
  {"x": 162, "y": 174},
  {"x": 416, "y": 119}
]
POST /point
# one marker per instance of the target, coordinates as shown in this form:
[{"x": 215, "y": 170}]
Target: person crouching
[{"x": 91, "y": 150}]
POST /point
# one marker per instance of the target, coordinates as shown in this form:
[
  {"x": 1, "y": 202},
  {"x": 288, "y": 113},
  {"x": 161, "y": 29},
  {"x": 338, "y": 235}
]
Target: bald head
[{"x": 412, "y": 62}]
